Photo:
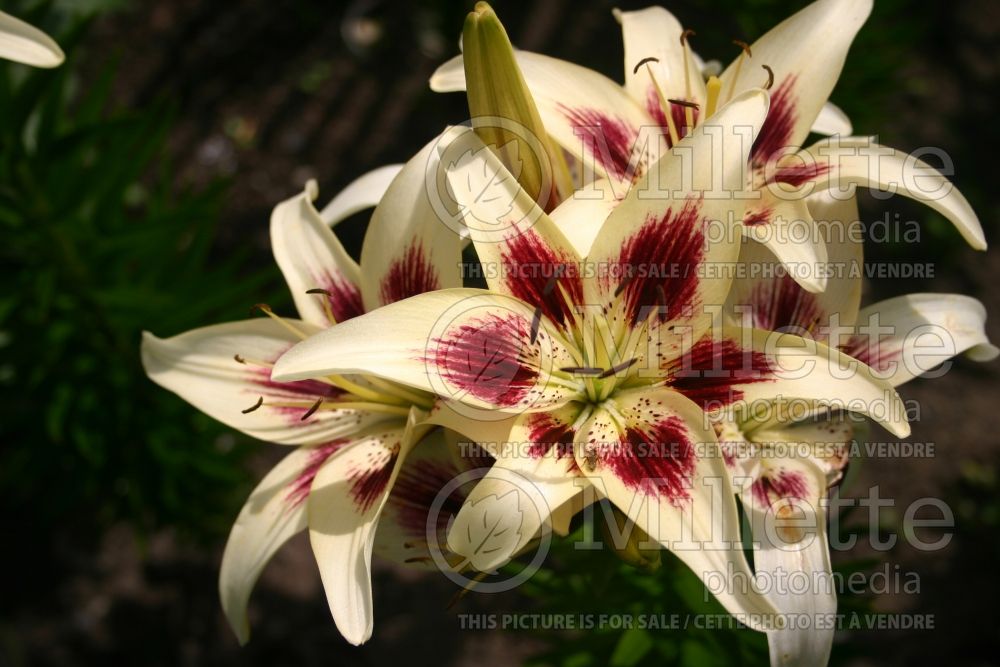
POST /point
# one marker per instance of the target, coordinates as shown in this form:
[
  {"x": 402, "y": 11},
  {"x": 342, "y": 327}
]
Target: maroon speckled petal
[
  {"x": 711, "y": 372},
  {"x": 779, "y": 484},
  {"x": 781, "y": 305},
  {"x": 486, "y": 357},
  {"x": 541, "y": 275},
  {"x": 776, "y": 133},
  {"x": 409, "y": 274},
  {"x": 655, "y": 458},
  {"x": 663, "y": 255},
  {"x": 607, "y": 139},
  {"x": 344, "y": 296},
  {"x": 300, "y": 487}
]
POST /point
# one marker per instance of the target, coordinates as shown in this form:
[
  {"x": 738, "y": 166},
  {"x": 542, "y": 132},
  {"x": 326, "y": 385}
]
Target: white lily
[
  {"x": 789, "y": 464},
  {"x": 588, "y": 369},
  {"x": 24, "y": 43},
  {"x": 353, "y": 432},
  {"x": 602, "y": 123}
]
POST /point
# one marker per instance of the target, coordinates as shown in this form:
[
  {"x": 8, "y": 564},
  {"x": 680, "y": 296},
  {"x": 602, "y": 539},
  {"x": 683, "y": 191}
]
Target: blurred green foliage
[
  {"x": 98, "y": 244},
  {"x": 596, "y": 584}
]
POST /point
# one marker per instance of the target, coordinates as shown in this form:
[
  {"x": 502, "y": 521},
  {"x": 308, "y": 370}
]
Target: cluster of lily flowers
[{"x": 647, "y": 335}]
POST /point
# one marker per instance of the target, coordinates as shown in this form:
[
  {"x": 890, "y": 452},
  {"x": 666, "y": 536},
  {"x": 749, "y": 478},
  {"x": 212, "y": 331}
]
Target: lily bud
[
  {"x": 645, "y": 559},
  {"x": 497, "y": 92}
]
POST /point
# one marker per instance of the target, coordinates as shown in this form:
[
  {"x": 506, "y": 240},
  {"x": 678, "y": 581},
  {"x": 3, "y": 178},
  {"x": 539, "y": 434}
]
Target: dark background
[{"x": 117, "y": 497}]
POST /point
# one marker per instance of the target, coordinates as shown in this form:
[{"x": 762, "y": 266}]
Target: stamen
[
  {"x": 659, "y": 94},
  {"x": 650, "y": 59},
  {"x": 713, "y": 87},
  {"x": 688, "y": 113},
  {"x": 255, "y": 406},
  {"x": 661, "y": 296},
  {"x": 615, "y": 370},
  {"x": 468, "y": 587},
  {"x": 770, "y": 77},
  {"x": 327, "y": 308},
  {"x": 551, "y": 284},
  {"x": 536, "y": 323},
  {"x": 311, "y": 411},
  {"x": 739, "y": 65},
  {"x": 239, "y": 359},
  {"x": 365, "y": 406},
  {"x": 414, "y": 397},
  {"x": 623, "y": 284},
  {"x": 685, "y": 103},
  {"x": 583, "y": 370},
  {"x": 266, "y": 309},
  {"x": 359, "y": 391}
]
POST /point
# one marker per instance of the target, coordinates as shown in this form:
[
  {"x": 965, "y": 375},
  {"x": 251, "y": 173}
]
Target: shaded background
[{"x": 136, "y": 184}]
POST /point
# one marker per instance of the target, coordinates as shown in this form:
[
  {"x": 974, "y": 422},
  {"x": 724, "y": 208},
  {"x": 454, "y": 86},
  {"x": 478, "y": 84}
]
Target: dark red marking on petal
[
  {"x": 415, "y": 491},
  {"x": 368, "y": 481},
  {"x": 546, "y": 432},
  {"x": 797, "y": 174},
  {"x": 778, "y": 485},
  {"x": 344, "y": 296},
  {"x": 878, "y": 355},
  {"x": 662, "y": 254},
  {"x": 712, "y": 370},
  {"x": 409, "y": 274},
  {"x": 300, "y": 487},
  {"x": 609, "y": 140},
  {"x": 781, "y": 305},
  {"x": 305, "y": 391},
  {"x": 776, "y": 132},
  {"x": 530, "y": 266},
  {"x": 677, "y": 114},
  {"x": 657, "y": 459},
  {"x": 758, "y": 216},
  {"x": 728, "y": 449},
  {"x": 484, "y": 357}
]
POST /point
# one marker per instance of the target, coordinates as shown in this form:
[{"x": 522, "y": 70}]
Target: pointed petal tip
[
  {"x": 814, "y": 284},
  {"x": 24, "y": 43}
]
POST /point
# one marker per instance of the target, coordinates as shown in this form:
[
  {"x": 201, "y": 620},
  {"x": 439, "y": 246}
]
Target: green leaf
[{"x": 632, "y": 647}]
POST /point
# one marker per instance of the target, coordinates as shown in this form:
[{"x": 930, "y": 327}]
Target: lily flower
[
  {"x": 599, "y": 368},
  {"x": 352, "y": 433},
  {"x": 24, "y": 43},
  {"x": 789, "y": 462},
  {"x": 609, "y": 129}
]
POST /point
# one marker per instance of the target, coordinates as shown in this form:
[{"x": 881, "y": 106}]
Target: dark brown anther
[
  {"x": 312, "y": 410},
  {"x": 687, "y": 34},
  {"x": 318, "y": 290},
  {"x": 239, "y": 359},
  {"x": 770, "y": 77},
  {"x": 651, "y": 59},
  {"x": 536, "y": 323},
  {"x": 583, "y": 370},
  {"x": 550, "y": 285},
  {"x": 614, "y": 370},
  {"x": 260, "y": 402},
  {"x": 262, "y": 307},
  {"x": 684, "y": 103},
  {"x": 661, "y": 296},
  {"x": 743, "y": 45},
  {"x": 623, "y": 284}
]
